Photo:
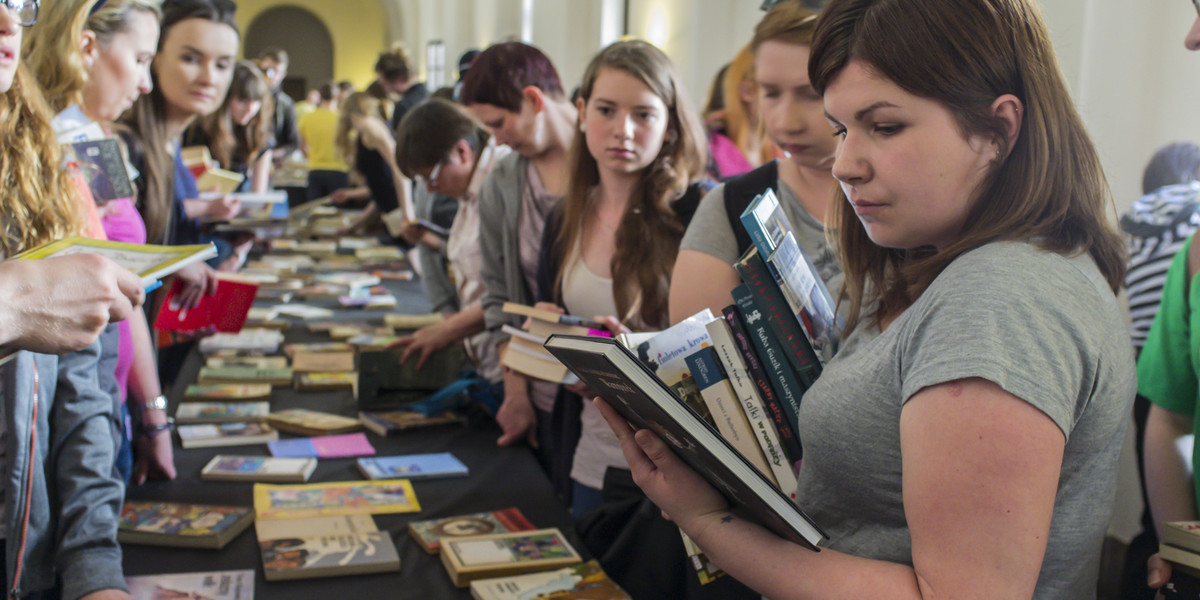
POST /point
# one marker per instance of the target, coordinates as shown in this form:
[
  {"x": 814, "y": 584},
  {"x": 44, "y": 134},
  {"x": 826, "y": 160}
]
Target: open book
[{"x": 646, "y": 402}]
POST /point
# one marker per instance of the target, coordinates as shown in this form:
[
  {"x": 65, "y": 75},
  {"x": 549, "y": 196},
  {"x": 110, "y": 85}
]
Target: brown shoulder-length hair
[
  {"x": 1048, "y": 188},
  {"x": 37, "y": 202},
  {"x": 649, "y": 233},
  {"x": 229, "y": 142}
]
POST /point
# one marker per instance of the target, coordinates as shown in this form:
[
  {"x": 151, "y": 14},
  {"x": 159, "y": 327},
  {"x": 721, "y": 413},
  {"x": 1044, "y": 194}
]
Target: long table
[{"x": 500, "y": 478}]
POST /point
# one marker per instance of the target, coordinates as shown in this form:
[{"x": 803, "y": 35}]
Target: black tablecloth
[{"x": 500, "y": 477}]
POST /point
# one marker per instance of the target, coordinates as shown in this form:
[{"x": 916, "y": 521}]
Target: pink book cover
[{"x": 330, "y": 446}]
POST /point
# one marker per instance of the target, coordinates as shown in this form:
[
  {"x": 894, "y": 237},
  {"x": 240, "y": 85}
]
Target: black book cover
[
  {"x": 640, "y": 397},
  {"x": 770, "y": 300}
]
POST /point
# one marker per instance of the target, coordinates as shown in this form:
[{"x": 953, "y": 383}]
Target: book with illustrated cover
[
  {"x": 258, "y": 468},
  {"x": 645, "y": 401},
  {"x": 480, "y": 557},
  {"x": 225, "y": 311},
  {"x": 429, "y": 533},
  {"x": 254, "y": 362},
  {"x": 308, "y": 362},
  {"x": 234, "y": 375},
  {"x": 663, "y": 352},
  {"x": 210, "y": 585},
  {"x": 324, "y": 381},
  {"x": 338, "y": 498},
  {"x": 225, "y": 434},
  {"x": 221, "y": 412},
  {"x": 347, "y": 445},
  {"x": 586, "y": 580},
  {"x": 412, "y": 466},
  {"x": 808, "y": 299},
  {"x": 228, "y": 392},
  {"x": 103, "y": 167},
  {"x": 328, "y": 556},
  {"x": 149, "y": 262},
  {"x": 388, "y": 423},
  {"x": 301, "y": 421},
  {"x": 181, "y": 525}
]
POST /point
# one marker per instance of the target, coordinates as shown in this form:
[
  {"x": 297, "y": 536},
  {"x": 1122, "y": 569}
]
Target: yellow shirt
[{"x": 319, "y": 130}]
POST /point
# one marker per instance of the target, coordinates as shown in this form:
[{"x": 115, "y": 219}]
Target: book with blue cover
[
  {"x": 412, "y": 466},
  {"x": 330, "y": 446}
]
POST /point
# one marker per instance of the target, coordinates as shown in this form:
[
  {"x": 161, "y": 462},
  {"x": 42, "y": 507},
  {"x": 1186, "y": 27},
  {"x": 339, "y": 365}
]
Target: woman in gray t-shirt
[{"x": 964, "y": 440}]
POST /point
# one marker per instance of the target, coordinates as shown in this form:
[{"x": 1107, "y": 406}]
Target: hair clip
[{"x": 96, "y": 7}]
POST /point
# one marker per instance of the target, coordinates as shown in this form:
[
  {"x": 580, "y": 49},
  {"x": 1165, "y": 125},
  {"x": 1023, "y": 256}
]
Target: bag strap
[{"x": 740, "y": 191}]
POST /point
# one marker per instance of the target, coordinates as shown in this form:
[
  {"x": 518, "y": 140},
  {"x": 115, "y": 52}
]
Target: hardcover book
[
  {"x": 302, "y": 421},
  {"x": 809, "y": 302},
  {"x": 725, "y": 408},
  {"x": 664, "y": 352},
  {"x": 338, "y": 498},
  {"x": 789, "y": 335},
  {"x": 228, "y": 393},
  {"x": 181, "y": 525},
  {"x": 430, "y": 533},
  {"x": 412, "y": 466},
  {"x": 225, "y": 434},
  {"x": 221, "y": 412},
  {"x": 775, "y": 367},
  {"x": 211, "y": 585},
  {"x": 225, "y": 311},
  {"x": 641, "y": 398},
  {"x": 328, "y": 556},
  {"x": 388, "y": 423},
  {"x": 480, "y": 557},
  {"x": 149, "y": 262},
  {"x": 1182, "y": 534},
  {"x": 586, "y": 580},
  {"x": 233, "y": 375},
  {"x": 331, "y": 446},
  {"x": 258, "y": 468}
]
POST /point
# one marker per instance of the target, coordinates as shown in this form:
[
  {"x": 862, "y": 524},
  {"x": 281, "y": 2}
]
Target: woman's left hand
[
  {"x": 423, "y": 343},
  {"x": 682, "y": 494}
]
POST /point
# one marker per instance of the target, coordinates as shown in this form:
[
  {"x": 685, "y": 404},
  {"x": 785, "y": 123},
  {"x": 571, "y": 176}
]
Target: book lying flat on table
[
  {"x": 182, "y": 525},
  {"x": 225, "y": 434},
  {"x": 479, "y": 557},
  {"x": 308, "y": 362},
  {"x": 228, "y": 393},
  {"x": 149, "y": 262},
  {"x": 211, "y": 585},
  {"x": 235, "y": 375},
  {"x": 324, "y": 381},
  {"x": 645, "y": 401},
  {"x": 412, "y": 466},
  {"x": 301, "y": 421},
  {"x": 331, "y": 446},
  {"x": 429, "y": 533},
  {"x": 221, "y": 412},
  {"x": 324, "y": 547},
  {"x": 586, "y": 580},
  {"x": 408, "y": 321},
  {"x": 258, "y": 468},
  {"x": 255, "y": 362},
  {"x": 337, "y": 498},
  {"x": 388, "y": 423}
]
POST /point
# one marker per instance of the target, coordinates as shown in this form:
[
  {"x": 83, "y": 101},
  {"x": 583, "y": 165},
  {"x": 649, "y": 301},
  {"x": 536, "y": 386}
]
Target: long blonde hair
[
  {"x": 749, "y": 137},
  {"x": 361, "y": 104},
  {"x": 54, "y": 55},
  {"x": 1049, "y": 187},
  {"x": 649, "y": 233},
  {"x": 37, "y": 202}
]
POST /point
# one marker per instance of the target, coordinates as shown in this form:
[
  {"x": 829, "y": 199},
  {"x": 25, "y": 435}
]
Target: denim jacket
[{"x": 62, "y": 496}]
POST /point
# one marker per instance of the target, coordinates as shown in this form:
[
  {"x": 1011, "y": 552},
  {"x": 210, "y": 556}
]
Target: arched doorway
[{"x": 304, "y": 37}]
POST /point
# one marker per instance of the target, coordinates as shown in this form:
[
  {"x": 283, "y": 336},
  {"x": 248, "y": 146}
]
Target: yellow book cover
[
  {"x": 337, "y": 498},
  {"x": 150, "y": 262}
]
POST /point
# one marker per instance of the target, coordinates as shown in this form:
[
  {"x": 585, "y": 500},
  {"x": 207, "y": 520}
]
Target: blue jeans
[{"x": 124, "y": 458}]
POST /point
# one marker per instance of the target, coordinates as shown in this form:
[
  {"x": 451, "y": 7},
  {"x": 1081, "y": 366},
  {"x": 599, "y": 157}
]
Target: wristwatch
[{"x": 157, "y": 403}]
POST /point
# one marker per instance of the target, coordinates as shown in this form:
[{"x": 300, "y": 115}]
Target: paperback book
[
  {"x": 302, "y": 421},
  {"x": 221, "y": 412},
  {"x": 664, "y": 353},
  {"x": 586, "y": 580},
  {"x": 410, "y": 321},
  {"x": 348, "y": 445},
  {"x": 254, "y": 362},
  {"x": 412, "y": 466},
  {"x": 210, "y": 585},
  {"x": 430, "y": 533},
  {"x": 181, "y": 525},
  {"x": 389, "y": 423},
  {"x": 228, "y": 392},
  {"x": 149, "y": 262},
  {"x": 225, "y": 311},
  {"x": 480, "y": 557},
  {"x": 328, "y": 556},
  {"x": 225, "y": 434},
  {"x": 258, "y": 468},
  {"x": 338, "y": 498},
  {"x": 235, "y": 375},
  {"x": 642, "y": 399},
  {"x": 247, "y": 340},
  {"x": 324, "y": 381},
  {"x": 308, "y": 362}
]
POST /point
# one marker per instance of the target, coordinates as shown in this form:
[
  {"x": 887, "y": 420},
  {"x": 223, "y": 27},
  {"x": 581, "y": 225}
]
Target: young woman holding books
[
  {"x": 636, "y": 169},
  {"x": 964, "y": 440},
  {"x": 94, "y": 58},
  {"x": 517, "y": 94},
  {"x": 61, "y": 496},
  {"x": 792, "y": 116},
  {"x": 238, "y": 135}
]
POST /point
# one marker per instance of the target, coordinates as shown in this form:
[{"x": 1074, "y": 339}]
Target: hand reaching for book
[
  {"x": 58, "y": 305},
  {"x": 682, "y": 494},
  {"x": 199, "y": 280},
  {"x": 424, "y": 342},
  {"x": 516, "y": 416}
]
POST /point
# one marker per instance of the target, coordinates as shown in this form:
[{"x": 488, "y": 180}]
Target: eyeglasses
[
  {"x": 26, "y": 11},
  {"x": 432, "y": 181}
]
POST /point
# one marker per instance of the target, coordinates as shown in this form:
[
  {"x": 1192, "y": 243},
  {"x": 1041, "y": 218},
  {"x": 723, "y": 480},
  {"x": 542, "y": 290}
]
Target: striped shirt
[{"x": 1157, "y": 225}]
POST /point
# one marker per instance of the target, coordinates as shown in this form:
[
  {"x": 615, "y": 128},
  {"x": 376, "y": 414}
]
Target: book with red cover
[{"x": 224, "y": 311}]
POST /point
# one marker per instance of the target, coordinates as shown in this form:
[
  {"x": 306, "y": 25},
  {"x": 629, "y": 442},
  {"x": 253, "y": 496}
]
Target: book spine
[
  {"x": 793, "y": 343},
  {"x": 513, "y": 519},
  {"x": 722, "y": 403},
  {"x": 757, "y": 418},
  {"x": 785, "y": 404}
]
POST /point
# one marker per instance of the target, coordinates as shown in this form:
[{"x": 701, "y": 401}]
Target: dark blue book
[
  {"x": 787, "y": 388},
  {"x": 791, "y": 340}
]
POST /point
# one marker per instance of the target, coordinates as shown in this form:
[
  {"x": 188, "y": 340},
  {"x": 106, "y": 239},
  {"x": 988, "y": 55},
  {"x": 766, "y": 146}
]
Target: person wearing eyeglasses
[
  {"x": 60, "y": 496},
  {"x": 447, "y": 151}
]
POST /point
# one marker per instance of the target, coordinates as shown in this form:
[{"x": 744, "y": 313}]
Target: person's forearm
[
  {"x": 261, "y": 177},
  {"x": 1168, "y": 482},
  {"x": 465, "y": 323},
  {"x": 144, "y": 384}
]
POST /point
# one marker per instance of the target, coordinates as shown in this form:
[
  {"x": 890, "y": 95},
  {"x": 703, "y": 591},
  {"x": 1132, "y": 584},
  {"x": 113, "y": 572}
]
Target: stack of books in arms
[{"x": 1180, "y": 545}]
